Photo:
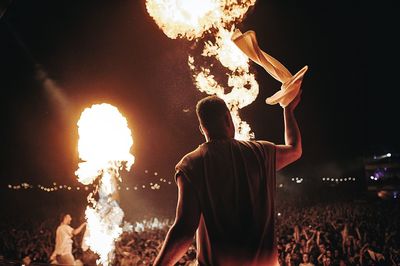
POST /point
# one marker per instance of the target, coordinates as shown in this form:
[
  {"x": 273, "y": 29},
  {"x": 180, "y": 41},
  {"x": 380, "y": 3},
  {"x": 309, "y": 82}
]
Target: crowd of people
[
  {"x": 353, "y": 233},
  {"x": 27, "y": 241},
  {"x": 361, "y": 233},
  {"x": 141, "y": 248}
]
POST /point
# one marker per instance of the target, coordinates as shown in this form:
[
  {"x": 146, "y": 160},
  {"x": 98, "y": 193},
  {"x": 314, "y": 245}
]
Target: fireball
[{"x": 104, "y": 147}]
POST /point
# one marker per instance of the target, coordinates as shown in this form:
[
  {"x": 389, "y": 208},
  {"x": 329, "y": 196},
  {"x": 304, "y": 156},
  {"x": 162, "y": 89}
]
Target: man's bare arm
[
  {"x": 79, "y": 229},
  {"x": 292, "y": 150},
  {"x": 181, "y": 233}
]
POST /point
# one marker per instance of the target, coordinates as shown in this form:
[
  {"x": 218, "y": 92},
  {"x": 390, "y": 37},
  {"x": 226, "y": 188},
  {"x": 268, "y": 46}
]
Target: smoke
[{"x": 55, "y": 93}]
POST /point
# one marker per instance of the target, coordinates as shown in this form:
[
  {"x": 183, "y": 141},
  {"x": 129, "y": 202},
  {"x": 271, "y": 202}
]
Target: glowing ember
[
  {"x": 104, "y": 147},
  {"x": 192, "y": 20}
]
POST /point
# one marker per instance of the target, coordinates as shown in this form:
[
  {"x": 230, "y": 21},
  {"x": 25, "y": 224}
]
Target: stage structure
[{"x": 382, "y": 173}]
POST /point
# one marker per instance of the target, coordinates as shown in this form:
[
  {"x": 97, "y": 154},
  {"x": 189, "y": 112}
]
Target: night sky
[{"x": 112, "y": 51}]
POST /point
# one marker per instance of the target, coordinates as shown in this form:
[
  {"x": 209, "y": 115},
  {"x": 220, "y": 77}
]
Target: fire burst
[
  {"x": 104, "y": 147},
  {"x": 193, "y": 19}
]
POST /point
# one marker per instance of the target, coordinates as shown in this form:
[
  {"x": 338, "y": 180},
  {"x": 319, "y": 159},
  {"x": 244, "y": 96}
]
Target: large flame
[
  {"x": 199, "y": 19},
  {"x": 184, "y": 18},
  {"x": 104, "y": 147}
]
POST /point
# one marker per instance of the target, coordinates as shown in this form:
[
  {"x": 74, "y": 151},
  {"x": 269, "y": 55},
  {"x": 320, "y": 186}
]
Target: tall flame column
[
  {"x": 104, "y": 147},
  {"x": 210, "y": 24}
]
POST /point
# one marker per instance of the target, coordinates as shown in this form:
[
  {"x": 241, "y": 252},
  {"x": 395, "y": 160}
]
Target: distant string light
[
  {"x": 20, "y": 186},
  {"x": 152, "y": 185},
  {"x": 300, "y": 180},
  {"x": 59, "y": 187},
  {"x": 26, "y": 186},
  {"x": 338, "y": 180}
]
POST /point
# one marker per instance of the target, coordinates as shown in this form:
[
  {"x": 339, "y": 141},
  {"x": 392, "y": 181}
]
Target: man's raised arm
[
  {"x": 79, "y": 229},
  {"x": 292, "y": 150},
  {"x": 181, "y": 233}
]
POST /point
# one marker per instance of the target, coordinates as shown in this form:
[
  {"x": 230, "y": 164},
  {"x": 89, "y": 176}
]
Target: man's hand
[
  {"x": 293, "y": 104},
  {"x": 79, "y": 229}
]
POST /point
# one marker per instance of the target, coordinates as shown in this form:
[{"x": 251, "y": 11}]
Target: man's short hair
[
  {"x": 62, "y": 216},
  {"x": 211, "y": 111}
]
